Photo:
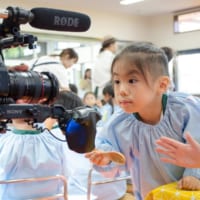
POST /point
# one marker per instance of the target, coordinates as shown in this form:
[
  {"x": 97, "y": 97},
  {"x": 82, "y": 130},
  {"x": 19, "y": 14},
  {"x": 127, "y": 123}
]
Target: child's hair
[
  {"x": 146, "y": 57},
  {"x": 73, "y": 88},
  {"x": 87, "y": 93},
  {"x": 68, "y": 100},
  {"x": 85, "y": 98},
  {"x": 169, "y": 52},
  {"x": 108, "y": 89}
]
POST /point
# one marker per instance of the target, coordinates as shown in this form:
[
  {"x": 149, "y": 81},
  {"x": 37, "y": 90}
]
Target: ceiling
[{"x": 145, "y": 8}]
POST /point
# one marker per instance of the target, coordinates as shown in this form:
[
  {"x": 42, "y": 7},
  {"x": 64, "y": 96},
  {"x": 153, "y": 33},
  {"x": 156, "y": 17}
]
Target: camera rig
[{"x": 79, "y": 124}]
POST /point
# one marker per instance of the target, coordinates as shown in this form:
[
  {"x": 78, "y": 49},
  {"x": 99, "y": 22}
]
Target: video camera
[{"x": 79, "y": 125}]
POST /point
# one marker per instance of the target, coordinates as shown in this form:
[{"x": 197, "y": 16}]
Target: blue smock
[
  {"x": 136, "y": 140},
  {"x": 31, "y": 154},
  {"x": 106, "y": 111}
]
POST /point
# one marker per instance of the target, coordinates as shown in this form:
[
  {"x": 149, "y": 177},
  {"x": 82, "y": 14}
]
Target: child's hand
[
  {"x": 102, "y": 158},
  {"x": 189, "y": 183},
  {"x": 21, "y": 68},
  {"x": 178, "y": 153},
  {"x": 99, "y": 103}
]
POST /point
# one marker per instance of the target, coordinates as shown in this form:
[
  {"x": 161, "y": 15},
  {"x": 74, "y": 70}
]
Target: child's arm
[
  {"x": 177, "y": 153},
  {"x": 102, "y": 158}
]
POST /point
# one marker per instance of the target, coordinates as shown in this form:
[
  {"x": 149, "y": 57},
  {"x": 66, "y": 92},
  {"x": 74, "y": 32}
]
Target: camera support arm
[
  {"x": 35, "y": 112},
  {"x": 78, "y": 125}
]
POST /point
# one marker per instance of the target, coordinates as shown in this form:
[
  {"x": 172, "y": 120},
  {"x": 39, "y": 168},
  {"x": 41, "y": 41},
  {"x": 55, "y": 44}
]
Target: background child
[
  {"x": 89, "y": 99},
  {"x": 140, "y": 83},
  {"x": 28, "y": 153},
  {"x": 109, "y": 106}
]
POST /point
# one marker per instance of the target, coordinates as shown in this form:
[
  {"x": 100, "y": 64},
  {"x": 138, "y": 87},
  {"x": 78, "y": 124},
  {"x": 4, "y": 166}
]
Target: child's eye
[
  {"x": 116, "y": 81},
  {"x": 132, "y": 81}
]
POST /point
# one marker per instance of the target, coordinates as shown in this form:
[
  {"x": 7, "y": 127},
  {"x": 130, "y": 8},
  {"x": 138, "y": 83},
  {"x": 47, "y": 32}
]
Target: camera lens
[{"x": 33, "y": 87}]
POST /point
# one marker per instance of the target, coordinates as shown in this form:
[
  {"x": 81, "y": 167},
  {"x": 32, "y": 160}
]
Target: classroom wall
[
  {"x": 158, "y": 29},
  {"x": 161, "y": 33},
  {"x": 123, "y": 27}
]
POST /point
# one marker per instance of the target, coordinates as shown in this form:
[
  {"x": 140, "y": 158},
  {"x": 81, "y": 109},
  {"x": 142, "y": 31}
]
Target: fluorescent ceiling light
[{"x": 127, "y": 2}]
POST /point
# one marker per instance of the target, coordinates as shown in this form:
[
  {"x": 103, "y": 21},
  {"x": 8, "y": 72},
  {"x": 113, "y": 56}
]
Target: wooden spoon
[{"x": 116, "y": 157}]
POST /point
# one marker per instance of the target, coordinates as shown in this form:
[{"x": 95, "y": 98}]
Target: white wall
[
  {"x": 124, "y": 27},
  {"x": 158, "y": 29},
  {"x": 161, "y": 33}
]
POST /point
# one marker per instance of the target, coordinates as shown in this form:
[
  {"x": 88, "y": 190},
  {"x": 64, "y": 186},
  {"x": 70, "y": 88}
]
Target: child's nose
[{"x": 123, "y": 90}]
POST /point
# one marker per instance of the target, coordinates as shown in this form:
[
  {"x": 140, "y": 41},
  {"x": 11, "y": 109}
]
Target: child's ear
[{"x": 164, "y": 83}]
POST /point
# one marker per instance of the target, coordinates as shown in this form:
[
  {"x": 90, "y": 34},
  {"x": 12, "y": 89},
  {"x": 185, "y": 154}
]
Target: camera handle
[
  {"x": 12, "y": 18},
  {"x": 19, "y": 40}
]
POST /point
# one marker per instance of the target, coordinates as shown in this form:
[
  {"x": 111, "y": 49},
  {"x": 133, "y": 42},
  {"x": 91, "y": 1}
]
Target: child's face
[
  {"x": 90, "y": 100},
  {"x": 132, "y": 92},
  {"x": 106, "y": 97}
]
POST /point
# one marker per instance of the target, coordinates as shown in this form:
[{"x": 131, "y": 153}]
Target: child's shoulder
[
  {"x": 119, "y": 116},
  {"x": 183, "y": 98},
  {"x": 183, "y": 105}
]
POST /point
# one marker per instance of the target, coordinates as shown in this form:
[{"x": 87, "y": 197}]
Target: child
[
  {"x": 29, "y": 153},
  {"x": 178, "y": 153},
  {"x": 108, "y": 96},
  {"x": 110, "y": 105},
  {"x": 140, "y": 84},
  {"x": 90, "y": 100}
]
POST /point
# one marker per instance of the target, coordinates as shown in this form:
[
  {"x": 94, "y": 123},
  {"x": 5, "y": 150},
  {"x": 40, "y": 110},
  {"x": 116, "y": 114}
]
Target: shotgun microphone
[
  {"x": 59, "y": 20},
  {"x": 47, "y": 18}
]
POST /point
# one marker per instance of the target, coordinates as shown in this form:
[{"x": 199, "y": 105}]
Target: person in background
[
  {"x": 77, "y": 182},
  {"x": 109, "y": 106},
  {"x": 85, "y": 82},
  {"x": 89, "y": 99},
  {"x": 26, "y": 152},
  {"x": 101, "y": 71},
  {"x": 58, "y": 65},
  {"x": 149, "y": 111}
]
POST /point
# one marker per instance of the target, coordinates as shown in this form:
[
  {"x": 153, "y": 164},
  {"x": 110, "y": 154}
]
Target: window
[
  {"x": 188, "y": 71},
  {"x": 187, "y": 22}
]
